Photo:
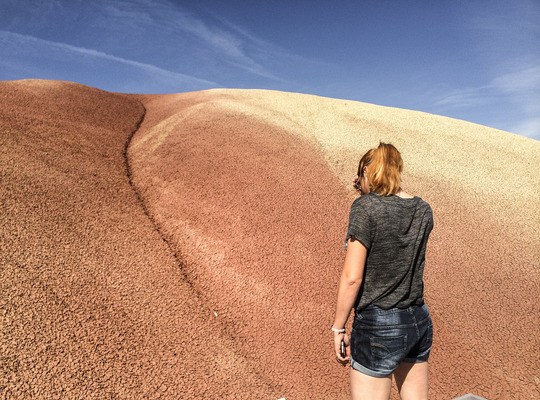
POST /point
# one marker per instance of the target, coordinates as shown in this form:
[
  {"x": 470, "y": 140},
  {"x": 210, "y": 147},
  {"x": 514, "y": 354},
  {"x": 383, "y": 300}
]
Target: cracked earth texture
[{"x": 190, "y": 245}]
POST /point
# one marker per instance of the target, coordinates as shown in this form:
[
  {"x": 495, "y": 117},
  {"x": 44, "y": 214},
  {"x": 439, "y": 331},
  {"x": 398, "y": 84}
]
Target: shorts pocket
[{"x": 385, "y": 347}]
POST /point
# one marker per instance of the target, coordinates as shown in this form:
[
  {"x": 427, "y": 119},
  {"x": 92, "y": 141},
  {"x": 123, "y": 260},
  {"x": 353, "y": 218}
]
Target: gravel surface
[{"x": 190, "y": 245}]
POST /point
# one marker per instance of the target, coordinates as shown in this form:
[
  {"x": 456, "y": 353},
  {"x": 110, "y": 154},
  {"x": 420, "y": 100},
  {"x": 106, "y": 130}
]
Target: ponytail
[{"x": 385, "y": 168}]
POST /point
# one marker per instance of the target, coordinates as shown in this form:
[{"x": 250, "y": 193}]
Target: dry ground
[{"x": 189, "y": 246}]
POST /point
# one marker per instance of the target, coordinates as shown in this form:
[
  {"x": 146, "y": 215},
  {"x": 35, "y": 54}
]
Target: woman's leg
[
  {"x": 412, "y": 380},
  {"x": 365, "y": 387}
]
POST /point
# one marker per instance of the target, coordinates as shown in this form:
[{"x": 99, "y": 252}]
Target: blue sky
[{"x": 477, "y": 60}]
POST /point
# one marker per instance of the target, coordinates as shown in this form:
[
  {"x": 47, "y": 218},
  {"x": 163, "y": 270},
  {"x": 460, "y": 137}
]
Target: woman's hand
[{"x": 338, "y": 338}]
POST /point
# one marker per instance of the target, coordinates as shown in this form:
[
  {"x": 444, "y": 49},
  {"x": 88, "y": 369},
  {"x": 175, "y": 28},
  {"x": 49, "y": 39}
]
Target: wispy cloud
[
  {"x": 227, "y": 42},
  {"x": 524, "y": 80},
  {"x": 463, "y": 98},
  {"x": 151, "y": 69},
  {"x": 264, "y": 46},
  {"x": 523, "y": 85},
  {"x": 228, "y": 46},
  {"x": 164, "y": 34},
  {"x": 529, "y": 127},
  {"x": 520, "y": 88}
]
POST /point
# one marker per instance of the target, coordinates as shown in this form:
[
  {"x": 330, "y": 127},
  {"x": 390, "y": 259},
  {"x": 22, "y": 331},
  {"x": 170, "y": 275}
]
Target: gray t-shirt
[{"x": 395, "y": 231}]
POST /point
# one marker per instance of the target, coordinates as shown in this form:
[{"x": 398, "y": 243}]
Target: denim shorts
[{"x": 382, "y": 339}]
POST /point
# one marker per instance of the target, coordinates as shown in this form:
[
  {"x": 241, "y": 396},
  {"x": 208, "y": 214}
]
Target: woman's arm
[{"x": 349, "y": 285}]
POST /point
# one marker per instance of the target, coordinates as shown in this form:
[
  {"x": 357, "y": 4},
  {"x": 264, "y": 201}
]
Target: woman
[{"x": 382, "y": 279}]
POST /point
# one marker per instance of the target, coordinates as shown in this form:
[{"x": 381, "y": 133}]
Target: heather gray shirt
[{"x": 395, "y": 231}]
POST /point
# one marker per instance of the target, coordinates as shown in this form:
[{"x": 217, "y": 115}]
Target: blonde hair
[{"x": 385, "y": 167}]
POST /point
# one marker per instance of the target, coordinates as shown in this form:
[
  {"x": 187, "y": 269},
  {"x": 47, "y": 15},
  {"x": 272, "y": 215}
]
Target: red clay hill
[{"x": 189, "y": 246}]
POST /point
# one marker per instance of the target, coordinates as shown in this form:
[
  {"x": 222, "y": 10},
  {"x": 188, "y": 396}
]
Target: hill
[{"x": 190, "y": 245}]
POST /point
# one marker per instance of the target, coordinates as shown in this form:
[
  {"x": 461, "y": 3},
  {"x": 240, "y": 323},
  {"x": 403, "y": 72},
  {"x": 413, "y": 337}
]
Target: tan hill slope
[{"x": 252, "y": 189}]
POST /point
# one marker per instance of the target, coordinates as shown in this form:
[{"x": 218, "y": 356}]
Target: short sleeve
[{"x": 360, "y": 225}]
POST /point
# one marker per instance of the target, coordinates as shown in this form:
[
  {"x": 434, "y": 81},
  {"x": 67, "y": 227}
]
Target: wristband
[{"x": 336, "y": 330}]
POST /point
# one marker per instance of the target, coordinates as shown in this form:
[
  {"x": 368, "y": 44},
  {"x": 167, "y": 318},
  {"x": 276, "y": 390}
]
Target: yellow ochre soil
[{"x": 190, "y": 245}]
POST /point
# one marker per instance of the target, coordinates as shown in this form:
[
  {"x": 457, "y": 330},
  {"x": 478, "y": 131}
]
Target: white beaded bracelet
[{"x": 336, "y": 330}]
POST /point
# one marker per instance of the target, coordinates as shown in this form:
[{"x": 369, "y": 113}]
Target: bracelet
[{"x": 336, "y": 330}]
